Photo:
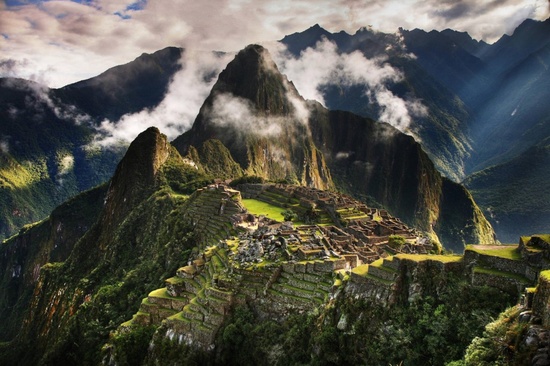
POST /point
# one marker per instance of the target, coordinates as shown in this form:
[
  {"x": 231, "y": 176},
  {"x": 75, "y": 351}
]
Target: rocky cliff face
[
  {"x": 380, "y": 164},
  {"x": 52, "y": 240},
  {"x": 135, "y": 176}
]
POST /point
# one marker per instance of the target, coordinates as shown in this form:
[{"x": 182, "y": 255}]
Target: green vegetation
[
  {"x": 257, "y": 207},
  {"x": 500, "y": 343},
  {"x": 361, "y": 270},
  {"x": 505, "y": 251},
  {"x": 396, "y": 241},
  {"x": 289, "y": 215},
  {"x": 426, "y": 257},
  {"x": 431, "y": 330},
  {"x": 545, "y": 237},
  {"x": 247, "y": 179},
  {"x": 131, "y": 347},
  {"x": 545, "y": 275},
  {"x": 217, "y": 160},
  {"x": 494, "y": 272}
]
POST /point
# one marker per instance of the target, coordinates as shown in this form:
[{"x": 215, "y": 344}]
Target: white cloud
[
  {"x": 237, "y": 113},
  {"x": 69, "y": 41},
  {"x": 66, "y": 164},
  {"x": 322, "y": 65},
  {"x": 180, "y": 106},
  {"x": 4, "y": 145},
  {"x": 39, "y": 98}
]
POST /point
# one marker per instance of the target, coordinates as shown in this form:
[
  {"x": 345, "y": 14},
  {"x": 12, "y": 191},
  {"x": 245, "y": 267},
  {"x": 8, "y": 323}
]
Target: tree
[
  {"x": 396, "y": 241},
  {"x": 289, "y": 215}
]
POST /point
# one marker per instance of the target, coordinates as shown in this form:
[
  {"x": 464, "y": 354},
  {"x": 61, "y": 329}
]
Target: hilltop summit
[{"x": 262, "y": 120}]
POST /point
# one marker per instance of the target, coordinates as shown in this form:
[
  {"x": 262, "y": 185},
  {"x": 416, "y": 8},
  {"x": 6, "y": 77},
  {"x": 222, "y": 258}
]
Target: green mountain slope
[
  {"x": 125, "y": 239},
  {"x": 45, "y": 158}
]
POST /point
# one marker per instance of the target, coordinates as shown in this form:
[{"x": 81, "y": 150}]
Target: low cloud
[
  {"x": 237, "y": 113},
  {"x": 61, "y": 36},
  {"x": 4, "y": 145},
  {"x": 65, "y": 166},
  {"x": 322, "y": 65},
  {"x": 180, "y": 106},
  {"x": 39, "y": 99}
]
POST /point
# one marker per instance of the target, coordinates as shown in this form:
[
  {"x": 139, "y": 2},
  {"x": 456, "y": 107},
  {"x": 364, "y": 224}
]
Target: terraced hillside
[{"x": 278, "y": 269}]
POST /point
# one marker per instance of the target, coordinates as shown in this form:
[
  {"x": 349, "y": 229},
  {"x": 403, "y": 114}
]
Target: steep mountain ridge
[
  {"x": 443, "y": 131},
  {"x": 380, "y": 164},
  {"x": 258, "y": 115},
  {"x": 137, "y": 239},
  {"x": 125, "y": 89}
]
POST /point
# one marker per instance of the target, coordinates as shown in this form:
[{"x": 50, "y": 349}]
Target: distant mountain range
[{"x": 485, "y": 109}]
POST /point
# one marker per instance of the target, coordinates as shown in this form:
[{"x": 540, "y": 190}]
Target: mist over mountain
[
  {"x": 160, "y": 261},
  {"x": 45, "y": 154},
  {"x": 484, "y": 102}
]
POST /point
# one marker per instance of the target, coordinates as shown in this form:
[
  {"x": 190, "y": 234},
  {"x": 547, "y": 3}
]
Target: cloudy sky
[{"x": 59, "y": 42}]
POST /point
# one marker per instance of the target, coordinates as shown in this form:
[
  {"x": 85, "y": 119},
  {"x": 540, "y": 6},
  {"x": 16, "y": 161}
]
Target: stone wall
[
  {"x": 371, "y": 289},
  {"x": 517, "y": 267},
  {"x": 541, "y": 300},
  {"x": 503, "y": 283},
  {"x": 314, "y": 267},
  {"x": 501, "y": 264}
]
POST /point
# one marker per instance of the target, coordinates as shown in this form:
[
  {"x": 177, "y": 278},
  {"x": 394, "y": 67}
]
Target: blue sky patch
[{"x": 138, "y": 5}]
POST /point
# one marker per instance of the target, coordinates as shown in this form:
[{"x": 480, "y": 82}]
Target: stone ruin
[{"x": 354, "y": 229}]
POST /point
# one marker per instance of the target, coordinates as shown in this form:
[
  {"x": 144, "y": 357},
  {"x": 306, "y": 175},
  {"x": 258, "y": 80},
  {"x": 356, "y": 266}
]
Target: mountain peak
[
  {"x": 258, "y": 115},
  {"x": 135, "y": 175},
  {"x": 253, "y": 75},
  {"x": 299, "y": 41}
]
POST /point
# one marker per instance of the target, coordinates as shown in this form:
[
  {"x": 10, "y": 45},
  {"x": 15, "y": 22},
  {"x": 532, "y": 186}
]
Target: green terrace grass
[
  {"x": 506, "y": 251},
  {"x": 361, "y": 270},
  {"x": 545, "y": 237},
  {"x": 258, "y": 208},
  {"x": 494, "y": 272},
  {"x": 161, "y": 292},
  {"x": 175, "y": 280},
  {"x": 379, "y": 263},
  {"x": 525, "y": 241},
  {"x": 426, "y": 257}
]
